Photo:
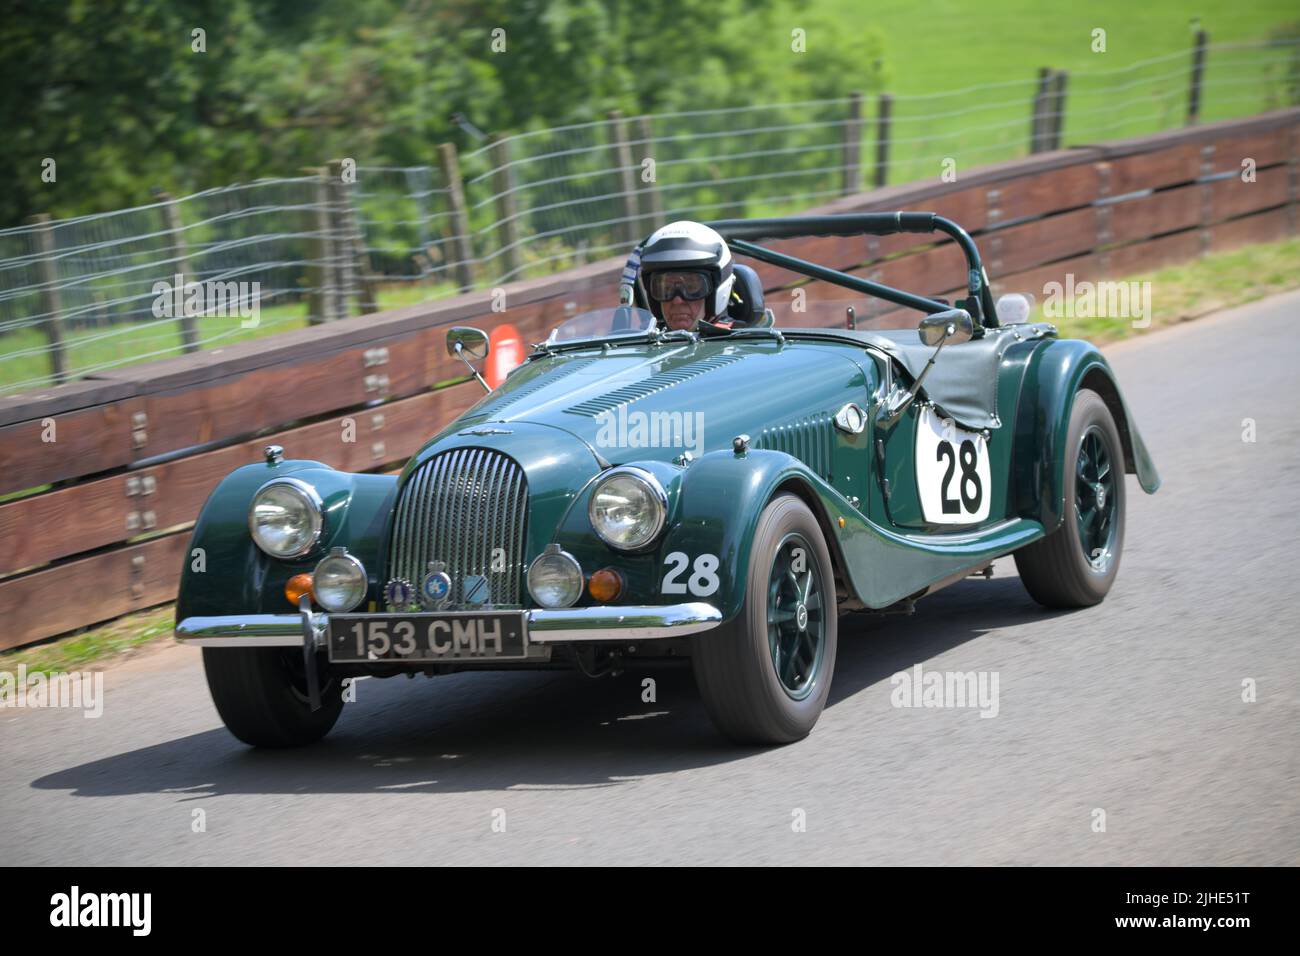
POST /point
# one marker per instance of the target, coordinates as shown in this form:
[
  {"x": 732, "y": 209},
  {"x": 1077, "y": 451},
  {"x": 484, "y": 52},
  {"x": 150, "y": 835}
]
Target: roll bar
[{"x": 741, "y": 235}]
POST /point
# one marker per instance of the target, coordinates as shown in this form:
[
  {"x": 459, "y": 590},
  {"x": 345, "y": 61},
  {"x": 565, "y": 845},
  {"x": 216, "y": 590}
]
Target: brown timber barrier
[{"x": 117, "y": 465}]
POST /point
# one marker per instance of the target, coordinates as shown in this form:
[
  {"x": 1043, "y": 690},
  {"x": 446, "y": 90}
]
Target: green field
[{"x": 952, "y": 44}]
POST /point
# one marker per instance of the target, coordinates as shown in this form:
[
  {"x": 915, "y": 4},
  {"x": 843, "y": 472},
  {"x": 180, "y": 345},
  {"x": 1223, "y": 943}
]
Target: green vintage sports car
[{"x": 632, "y": 493}]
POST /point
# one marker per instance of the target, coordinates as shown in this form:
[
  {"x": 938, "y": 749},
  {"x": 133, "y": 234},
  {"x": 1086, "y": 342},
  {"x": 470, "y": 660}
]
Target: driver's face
[{"x": 681, "y": 314}]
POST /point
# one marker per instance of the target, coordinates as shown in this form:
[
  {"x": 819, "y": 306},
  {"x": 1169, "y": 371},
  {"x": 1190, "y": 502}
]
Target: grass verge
[{"x": 1192, "y": 289}]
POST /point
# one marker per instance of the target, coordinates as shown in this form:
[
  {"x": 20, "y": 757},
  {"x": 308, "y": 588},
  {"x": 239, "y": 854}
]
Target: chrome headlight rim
[
  {"x": 657, "y": 494},
  {"x": 555, "y": 552},
  {"x": 341, "y": 554},
  {"x": 317, "y": 510}
]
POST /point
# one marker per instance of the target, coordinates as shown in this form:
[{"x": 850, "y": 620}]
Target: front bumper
[{"x": 545, "y": 626}]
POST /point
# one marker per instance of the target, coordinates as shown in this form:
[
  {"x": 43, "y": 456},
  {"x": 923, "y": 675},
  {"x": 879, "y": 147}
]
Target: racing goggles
[{"x": 691, "y": 286}]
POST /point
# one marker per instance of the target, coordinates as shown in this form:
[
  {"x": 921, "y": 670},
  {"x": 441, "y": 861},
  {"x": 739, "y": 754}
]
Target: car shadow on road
[{"x": 530, "y": 730}]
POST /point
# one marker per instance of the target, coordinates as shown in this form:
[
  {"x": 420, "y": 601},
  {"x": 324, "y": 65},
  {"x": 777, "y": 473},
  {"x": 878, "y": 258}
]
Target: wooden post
[
  {"x": 1198, "y": 74},
  {"x": 1056, "y": 117},
  {"x": 503, "y": 181},
  {"x": 344, "y": 252},
  {"x": 654, "y": 217},
  {"x": 368, "y": 289},
  {"x": 853, "y": 146},
  {"x": 1038, "y": 115},
  {"x": 464, "y": 255},
  {"x": 320, "y": 271},
  {"x": 883, "y": 110},
  {"x": 354, "y": 263},
  {"x": 624, "y": 175},
  {"x": 180, "y": 267},
  {"x": 50, "y": 305}
]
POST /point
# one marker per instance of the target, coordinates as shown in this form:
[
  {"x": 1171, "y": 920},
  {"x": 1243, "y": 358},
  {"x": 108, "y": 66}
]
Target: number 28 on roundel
[{"x": 952, "y": 470}]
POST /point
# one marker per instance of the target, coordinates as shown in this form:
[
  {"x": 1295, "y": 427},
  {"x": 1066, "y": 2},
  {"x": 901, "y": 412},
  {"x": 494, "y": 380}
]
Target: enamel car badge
[
  {"x": 398, "y": 594},
  {"x": 436, "y": 586}
]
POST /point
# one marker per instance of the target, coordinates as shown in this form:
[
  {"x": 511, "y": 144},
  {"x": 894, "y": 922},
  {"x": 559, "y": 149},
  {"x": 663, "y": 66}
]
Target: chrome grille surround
[{"x": 459, "y": 507}]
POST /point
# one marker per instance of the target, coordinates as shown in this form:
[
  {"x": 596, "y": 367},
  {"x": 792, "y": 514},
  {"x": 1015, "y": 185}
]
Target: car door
[{"x": 937, "y": 476}]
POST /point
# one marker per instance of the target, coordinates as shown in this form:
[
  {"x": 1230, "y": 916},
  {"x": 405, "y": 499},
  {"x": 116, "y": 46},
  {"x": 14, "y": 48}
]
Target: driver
[{"x": 686, "y": 268}]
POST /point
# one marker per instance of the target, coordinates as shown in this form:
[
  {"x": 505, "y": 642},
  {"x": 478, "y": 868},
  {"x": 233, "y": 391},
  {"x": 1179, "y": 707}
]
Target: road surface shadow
[{"x": 525, "y": 730}]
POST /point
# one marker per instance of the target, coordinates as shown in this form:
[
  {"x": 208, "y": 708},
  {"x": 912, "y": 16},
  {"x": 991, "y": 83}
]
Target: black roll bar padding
[{"x": 745, "y": 231}]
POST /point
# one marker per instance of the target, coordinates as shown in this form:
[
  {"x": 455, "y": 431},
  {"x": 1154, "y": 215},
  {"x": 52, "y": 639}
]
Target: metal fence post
[
  {"x": 180, "y": 267},
  {"x": 654, "y": 217},
  {"x": 623, "y": 170},
  {"x": 883, "y": 110},
  {"x": 853, "y": 146},
  {"x": 459, "y": 217},
  {"x": 49, "y": 297},
  {"x": 503, "y": 181},
  {"x": 1198, "y": 73}
]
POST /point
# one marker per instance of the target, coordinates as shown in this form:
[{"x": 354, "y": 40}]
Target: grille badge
[
  {"x": 398, "y": 594},
  {"x": 436, "y": 586}
]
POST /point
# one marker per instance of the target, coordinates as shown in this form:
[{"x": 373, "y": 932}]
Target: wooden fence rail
[{"x": 117, "y": 465}]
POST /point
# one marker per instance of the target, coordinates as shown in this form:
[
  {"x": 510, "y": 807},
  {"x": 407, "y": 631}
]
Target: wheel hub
[
  {"x": 1094, "y": 504},
  {"x": 796, "y": 617}
]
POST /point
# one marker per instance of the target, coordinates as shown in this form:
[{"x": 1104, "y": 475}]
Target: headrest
[{"x": 746, "y": 306}]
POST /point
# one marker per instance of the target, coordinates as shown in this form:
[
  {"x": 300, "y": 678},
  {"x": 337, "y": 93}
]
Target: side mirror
[
  {"x": 463, "y": 341},
  {"x": 946, "y": 328},
  {"x": 952, "y": 325},
  {"x": 467, "y": 343}
]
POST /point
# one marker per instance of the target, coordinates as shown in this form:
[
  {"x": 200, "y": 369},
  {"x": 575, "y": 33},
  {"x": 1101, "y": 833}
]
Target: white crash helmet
[{"x": 690, "y": 246}]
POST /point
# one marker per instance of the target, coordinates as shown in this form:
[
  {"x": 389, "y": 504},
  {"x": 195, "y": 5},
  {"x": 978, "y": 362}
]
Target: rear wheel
[
  {"x": 261, "y": 695},
  {"x": 764, "y": 677},
  {"x": 1076, "y": 564}
]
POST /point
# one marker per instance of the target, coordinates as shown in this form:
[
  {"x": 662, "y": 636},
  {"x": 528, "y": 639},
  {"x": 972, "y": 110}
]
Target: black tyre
[
  {"x": 765, "y": 676},
  {"x": 1076, "y": 564},
  {"x": 261, "y": 695}
]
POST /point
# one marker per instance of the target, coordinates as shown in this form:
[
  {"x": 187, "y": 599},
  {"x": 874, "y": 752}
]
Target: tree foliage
[{"x": 115, "y": 93}]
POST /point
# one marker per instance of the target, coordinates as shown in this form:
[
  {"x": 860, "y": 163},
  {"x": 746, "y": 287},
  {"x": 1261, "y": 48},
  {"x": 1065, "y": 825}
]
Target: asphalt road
[{"x": 1134, "y": 707}]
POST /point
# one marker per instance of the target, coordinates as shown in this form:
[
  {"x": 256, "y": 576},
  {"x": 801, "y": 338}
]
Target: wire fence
[{"x": 89, "y": 293}]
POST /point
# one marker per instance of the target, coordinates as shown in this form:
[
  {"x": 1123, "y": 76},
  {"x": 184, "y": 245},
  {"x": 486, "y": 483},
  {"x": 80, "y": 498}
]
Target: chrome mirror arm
[
  {"x": 460, "y": 354},
  {"x": 898, "y": 400}
]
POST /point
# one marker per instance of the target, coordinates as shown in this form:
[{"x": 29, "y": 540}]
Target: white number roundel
[{"x": 952, "y": 471}]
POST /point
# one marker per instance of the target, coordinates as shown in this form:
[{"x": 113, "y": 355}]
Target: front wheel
[
  {"x": 1076, "y": 564},
  {"x": 764, "y": 677},
  {"x": 261, "y": 695}
]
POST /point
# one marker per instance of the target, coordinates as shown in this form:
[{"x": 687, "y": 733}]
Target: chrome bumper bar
[{"x": 545, "y": 626}]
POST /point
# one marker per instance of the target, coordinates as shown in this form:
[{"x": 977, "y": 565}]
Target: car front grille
[{"x": 467, "y": 508}]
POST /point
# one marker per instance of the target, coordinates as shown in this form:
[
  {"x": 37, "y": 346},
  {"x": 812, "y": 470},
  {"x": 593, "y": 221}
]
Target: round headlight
[
  {"x": 628, "y": 508},
  {"x": 555, "y": 578},
  {"x": 285, "y": 518},
  {"x": 339, "y": 582}
]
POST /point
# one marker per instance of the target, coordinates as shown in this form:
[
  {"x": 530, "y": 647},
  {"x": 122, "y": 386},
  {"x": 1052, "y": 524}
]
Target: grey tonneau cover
[{"x": 963, "y": 382}]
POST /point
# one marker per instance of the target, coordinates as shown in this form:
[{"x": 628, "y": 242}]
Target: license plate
[{"x": 453, "y": 636}]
